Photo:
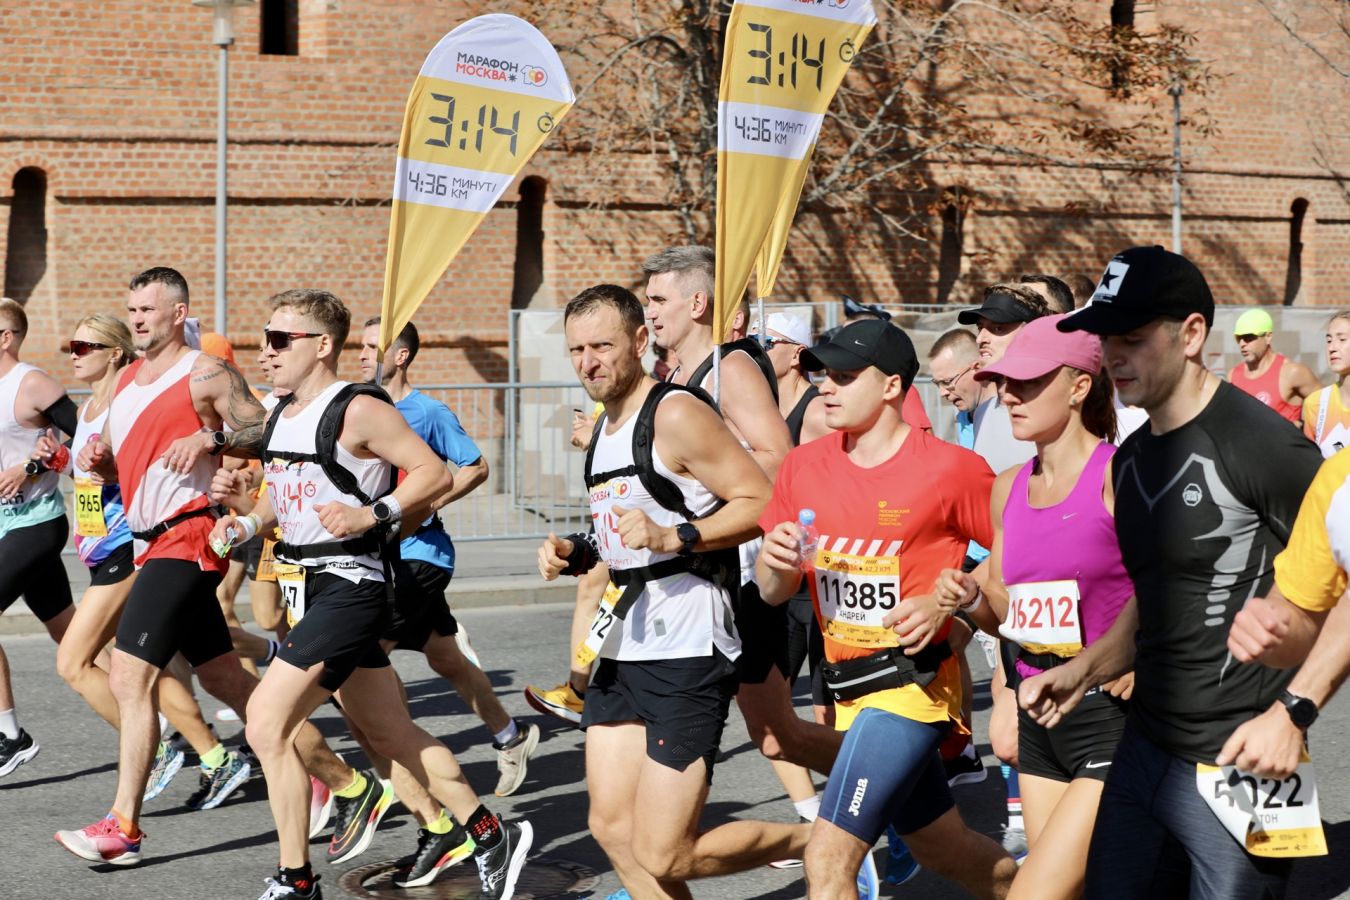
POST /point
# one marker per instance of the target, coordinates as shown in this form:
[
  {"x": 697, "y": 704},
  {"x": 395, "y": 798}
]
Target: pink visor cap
[{"x": 1039, "y": 348}]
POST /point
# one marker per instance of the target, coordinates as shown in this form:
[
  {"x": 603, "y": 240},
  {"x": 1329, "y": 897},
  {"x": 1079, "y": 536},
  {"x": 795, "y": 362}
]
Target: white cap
[{"x": 794, "y": 328}]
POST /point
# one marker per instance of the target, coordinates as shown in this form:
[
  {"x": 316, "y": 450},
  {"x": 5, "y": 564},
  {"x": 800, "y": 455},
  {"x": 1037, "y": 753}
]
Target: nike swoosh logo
[
  {"x": 860, "y": 343},
  {"x": 1070, "y": 515},
  {"x": 1096, "y": 765}
]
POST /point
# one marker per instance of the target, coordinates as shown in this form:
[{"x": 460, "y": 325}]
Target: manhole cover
[{"x": 541, "y": 879}]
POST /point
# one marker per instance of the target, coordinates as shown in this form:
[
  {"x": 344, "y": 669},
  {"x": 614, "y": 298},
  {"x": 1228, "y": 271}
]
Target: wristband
[
  {"x": 973, "y": 603},
  {"x": 584, "y": 554},
  {"x": 248, "y": 527}
]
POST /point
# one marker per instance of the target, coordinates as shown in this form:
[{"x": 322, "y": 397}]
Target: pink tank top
[{"x": 1074, "y": 539}]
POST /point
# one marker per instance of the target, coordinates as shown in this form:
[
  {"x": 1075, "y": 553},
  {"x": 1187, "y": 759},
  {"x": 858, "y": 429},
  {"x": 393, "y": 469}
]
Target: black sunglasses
[
  {"x": 771, "y": 342},
  {"x": 282, "y": 340},
  {"x": 84, "y": 348}
]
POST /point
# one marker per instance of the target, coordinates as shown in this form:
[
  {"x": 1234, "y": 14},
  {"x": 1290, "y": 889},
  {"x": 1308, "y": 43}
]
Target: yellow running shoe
[{"x": 561, "y": 702}]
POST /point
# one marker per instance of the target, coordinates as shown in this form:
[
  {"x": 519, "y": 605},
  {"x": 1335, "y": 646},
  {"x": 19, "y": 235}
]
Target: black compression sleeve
[{"x": 63, "y": 414}]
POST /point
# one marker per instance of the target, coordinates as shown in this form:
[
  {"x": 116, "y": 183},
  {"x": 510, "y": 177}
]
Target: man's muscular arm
[{"x": 219, "y": 389}]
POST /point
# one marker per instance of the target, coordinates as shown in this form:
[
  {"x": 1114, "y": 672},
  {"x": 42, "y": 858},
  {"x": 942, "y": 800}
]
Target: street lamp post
[
  {"x": 1175, "y": 90},
  {"x": 222, "y": 35}
]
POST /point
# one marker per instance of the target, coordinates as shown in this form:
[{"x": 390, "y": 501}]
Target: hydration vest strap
[{"x": 634, "y": 580}]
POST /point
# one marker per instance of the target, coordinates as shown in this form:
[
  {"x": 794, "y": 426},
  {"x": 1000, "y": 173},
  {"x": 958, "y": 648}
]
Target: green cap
[{"x": 1254, "y": 321}]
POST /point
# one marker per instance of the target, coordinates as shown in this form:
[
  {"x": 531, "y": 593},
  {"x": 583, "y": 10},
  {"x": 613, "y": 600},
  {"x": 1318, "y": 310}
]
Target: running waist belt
[
  {"x": 705, "y": 565},
  {"x": 1041, "y": 660},
  {"x": 850, "y": 679},
  {"x": 157, "y": 530}
]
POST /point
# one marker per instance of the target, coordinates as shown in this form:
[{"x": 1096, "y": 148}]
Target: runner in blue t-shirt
[{"x": 422, "y": 618}]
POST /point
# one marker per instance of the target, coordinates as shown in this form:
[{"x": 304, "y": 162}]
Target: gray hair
[{"x": 696, "y": 267}]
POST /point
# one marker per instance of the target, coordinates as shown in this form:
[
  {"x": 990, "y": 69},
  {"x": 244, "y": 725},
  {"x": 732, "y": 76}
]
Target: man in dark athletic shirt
[{"x": 1205, "y": 499}]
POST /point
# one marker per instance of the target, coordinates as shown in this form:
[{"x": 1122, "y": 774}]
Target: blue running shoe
[
  {"x": 900, "y": 863},
  {"x": 167, "y": 763},
  {"x": 869, "y": 885}
]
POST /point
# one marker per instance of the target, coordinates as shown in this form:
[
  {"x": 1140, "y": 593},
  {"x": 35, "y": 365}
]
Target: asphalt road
[{"x": 227, "y": 852}]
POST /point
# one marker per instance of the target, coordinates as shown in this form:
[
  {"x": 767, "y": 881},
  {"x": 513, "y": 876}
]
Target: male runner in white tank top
[
  {"x": 659, "y": 698},
  {"x": 337, "y": 590},
  {"x": 33, "y": 526}
]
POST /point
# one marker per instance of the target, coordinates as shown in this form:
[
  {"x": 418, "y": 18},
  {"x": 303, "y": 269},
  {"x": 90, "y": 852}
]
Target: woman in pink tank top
[{"x": 1054, "y": 583}]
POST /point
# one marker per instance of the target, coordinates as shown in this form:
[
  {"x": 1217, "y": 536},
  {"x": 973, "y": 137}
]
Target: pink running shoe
[
  {"x": 320, "y": 806},
  {"x": 103, "y": 842}
]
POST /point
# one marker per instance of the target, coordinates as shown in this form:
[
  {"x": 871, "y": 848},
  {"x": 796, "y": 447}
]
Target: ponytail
[{"x": 1099, "y": 407}]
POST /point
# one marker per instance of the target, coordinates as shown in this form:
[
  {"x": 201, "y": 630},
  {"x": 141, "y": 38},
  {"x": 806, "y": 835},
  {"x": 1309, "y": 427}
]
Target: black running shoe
[
  {"x": 499, "y": 867},
  {"x": 435, "y": 852},
  {"x": 14, "y": 752},
  {"x": 355, "y": 819},
  {"x": 279, "y": 890}
]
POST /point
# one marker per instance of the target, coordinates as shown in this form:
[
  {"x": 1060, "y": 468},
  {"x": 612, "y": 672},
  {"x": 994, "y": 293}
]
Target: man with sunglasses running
[{"x": 339, "y": 513}]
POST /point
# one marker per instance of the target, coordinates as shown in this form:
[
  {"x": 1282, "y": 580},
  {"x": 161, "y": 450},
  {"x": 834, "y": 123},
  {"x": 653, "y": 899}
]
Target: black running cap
[
  {"x": 1140, "y": 285},
  {"x": 999, "y": 307},
  {"x": 863, "y": 343}
]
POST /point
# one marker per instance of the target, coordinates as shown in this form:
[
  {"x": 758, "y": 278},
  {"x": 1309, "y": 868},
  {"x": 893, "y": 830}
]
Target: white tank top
[
  {"x": 295, "y": 488},
  {"x": 676, "y": 617},
  {"x": 39, "y": 498}
]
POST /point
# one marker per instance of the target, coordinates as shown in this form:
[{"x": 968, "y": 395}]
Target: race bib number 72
[{"x": 855, "y": 593}]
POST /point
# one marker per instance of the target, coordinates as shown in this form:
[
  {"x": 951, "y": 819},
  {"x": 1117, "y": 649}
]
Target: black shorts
[
  {"x": 806, "y": 645},
  {"x": 31, "y": 567},
  {"x": 764, "y": 637},
  {"x": 117, "y": 567},
  {"x": 249, "y": 553},
  {"x": 341, "y": 628},
  {"x": 172, "y": 609},
  {"x": 419, "y": 605},
  {"x": 1081, "y": 746},
  {"x": 682, "y": 702}
]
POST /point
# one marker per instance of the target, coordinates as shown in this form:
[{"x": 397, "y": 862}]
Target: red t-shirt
[
  {"x": 896, "y": 525},
  {"x": 913, "y": 412}
]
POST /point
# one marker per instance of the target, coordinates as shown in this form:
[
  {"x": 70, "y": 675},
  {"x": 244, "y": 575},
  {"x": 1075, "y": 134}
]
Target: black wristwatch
[
  {"x": 1302, "y": 711},
  {"x": 688, "y": 534},
  {"x": 218, "y": 443},
  {"x": 382, "y": 513}
]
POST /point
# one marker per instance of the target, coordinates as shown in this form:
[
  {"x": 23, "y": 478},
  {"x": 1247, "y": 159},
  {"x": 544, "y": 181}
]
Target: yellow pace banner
[
  {"x": 484, "y": 101},
  {"x": 783, "y": 63}
]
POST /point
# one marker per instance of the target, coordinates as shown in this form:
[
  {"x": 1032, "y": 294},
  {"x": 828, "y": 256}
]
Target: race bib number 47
[
  {"x": 1268, "y": 816},
  {"x": 291, "y": 580},
  {"x": 855, "y": 593},
  {"x": 1043, "y": 617}
]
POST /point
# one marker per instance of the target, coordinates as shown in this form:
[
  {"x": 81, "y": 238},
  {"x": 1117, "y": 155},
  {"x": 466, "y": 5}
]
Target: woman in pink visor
[{"x": 1053, "y": 584}]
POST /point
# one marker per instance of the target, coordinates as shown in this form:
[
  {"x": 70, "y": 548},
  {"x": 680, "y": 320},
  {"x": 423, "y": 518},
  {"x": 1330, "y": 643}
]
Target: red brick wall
[{"x": 116, "y": 104}]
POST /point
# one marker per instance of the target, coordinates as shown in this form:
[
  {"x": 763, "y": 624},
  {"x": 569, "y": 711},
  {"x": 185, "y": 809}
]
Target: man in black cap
[
  {"x": 1006, "y": 308},
  {"x": 1205, "y": 499},
  {"x": 890, "y": 506}
]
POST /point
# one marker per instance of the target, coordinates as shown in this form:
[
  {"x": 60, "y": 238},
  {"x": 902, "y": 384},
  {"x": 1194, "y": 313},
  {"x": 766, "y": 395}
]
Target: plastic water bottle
[{"x": 810, "y": 539}]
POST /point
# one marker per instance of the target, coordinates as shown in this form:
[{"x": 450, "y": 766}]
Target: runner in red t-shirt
[{"x": 892, "y": 507}]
